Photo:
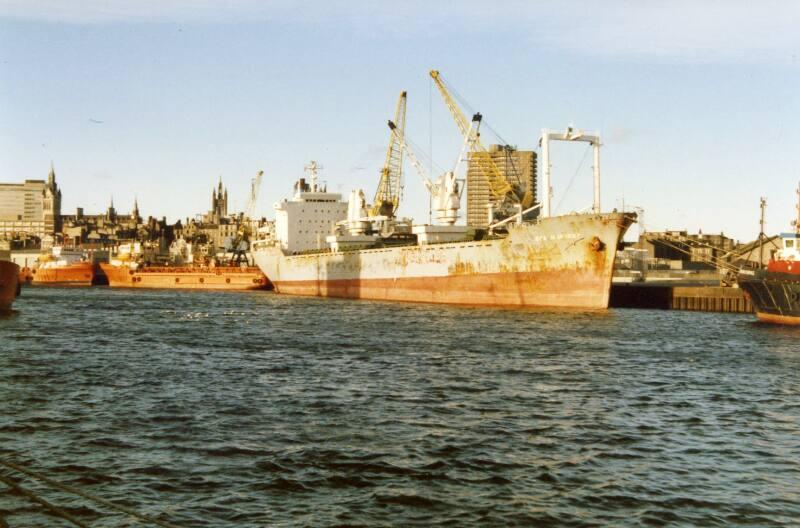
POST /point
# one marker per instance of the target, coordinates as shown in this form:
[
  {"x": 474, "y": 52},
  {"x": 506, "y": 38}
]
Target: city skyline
[{"x": 157, "y": 100}]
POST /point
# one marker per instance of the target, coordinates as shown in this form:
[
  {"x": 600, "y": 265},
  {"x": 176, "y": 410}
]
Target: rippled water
[{"x": 253, "y": 409}]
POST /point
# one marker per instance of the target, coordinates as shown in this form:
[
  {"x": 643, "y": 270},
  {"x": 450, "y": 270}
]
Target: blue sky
[{"x": 696, "y": 102}]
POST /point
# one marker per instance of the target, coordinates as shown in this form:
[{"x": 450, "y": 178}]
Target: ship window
[{"x": 789, "y": 243}]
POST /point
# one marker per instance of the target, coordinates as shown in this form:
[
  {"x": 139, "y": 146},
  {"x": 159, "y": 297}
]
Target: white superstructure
[{"x": 303, "y": 223}]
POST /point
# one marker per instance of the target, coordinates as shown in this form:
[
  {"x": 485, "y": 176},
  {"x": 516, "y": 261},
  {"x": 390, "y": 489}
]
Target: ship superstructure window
[{"x": 789, "y": 243}]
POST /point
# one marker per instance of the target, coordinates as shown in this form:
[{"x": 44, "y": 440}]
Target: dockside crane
[
  {"x": 390, "y": 186},
  {"x": 444, "y": 191},
  {"x": 501, "y": 191},
  {"x": 241, "y": 242}
]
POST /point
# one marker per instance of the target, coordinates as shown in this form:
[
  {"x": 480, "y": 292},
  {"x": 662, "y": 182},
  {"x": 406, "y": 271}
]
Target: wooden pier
[{"x": 674, "y": 297}]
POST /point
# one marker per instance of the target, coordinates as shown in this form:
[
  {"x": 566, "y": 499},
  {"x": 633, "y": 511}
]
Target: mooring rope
[
  {"x": 81, "y": 493},
  {"x": 55, "y": 510}
]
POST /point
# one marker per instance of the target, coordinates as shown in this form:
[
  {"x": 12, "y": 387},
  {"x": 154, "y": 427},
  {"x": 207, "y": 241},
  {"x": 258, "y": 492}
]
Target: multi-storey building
[
  {"x": 30, "y": 209},
  {"x": 518, "y": 167}
]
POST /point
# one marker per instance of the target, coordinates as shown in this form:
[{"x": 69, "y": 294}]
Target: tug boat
[
  {"x": 775, "y": 291},
  {"x": 64, "y": 268}
]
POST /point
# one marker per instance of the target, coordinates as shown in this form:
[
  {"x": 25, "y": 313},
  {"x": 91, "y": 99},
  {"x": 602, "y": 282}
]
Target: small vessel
[
  {"x": 9, "y": 284},
  {"x": 775, "y": 291},
  {"x": 61, "y": 267},
  {"x": 192, "y": 278},
  {"x": 127, "y": 269}
]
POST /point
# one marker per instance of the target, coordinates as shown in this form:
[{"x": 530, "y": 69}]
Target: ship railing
[{"x": 518, "y": 217}]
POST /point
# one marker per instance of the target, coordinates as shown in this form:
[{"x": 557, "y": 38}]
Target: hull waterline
[{"x": 775, "y": 296}]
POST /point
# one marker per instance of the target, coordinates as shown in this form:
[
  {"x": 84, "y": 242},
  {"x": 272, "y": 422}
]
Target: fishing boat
[{"x": 775, "y": 291}]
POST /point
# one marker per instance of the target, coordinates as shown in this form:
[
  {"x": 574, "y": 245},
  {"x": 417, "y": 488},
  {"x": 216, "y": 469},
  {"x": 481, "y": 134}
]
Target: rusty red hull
[
  {"x": 9, "y": 284},
  {"x": 77, "y": 274},
  {"x": 555, "y": 288},
  {"x": 557, "y": 262},
  {"x": 186, "y": 278}
]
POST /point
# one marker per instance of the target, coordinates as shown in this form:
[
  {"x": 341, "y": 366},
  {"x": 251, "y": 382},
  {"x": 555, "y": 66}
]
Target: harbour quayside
[{"x": 521, "y": 255}]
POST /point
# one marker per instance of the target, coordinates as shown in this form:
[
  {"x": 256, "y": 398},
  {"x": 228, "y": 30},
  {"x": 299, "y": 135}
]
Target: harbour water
[{"x": 254, "y": 409}]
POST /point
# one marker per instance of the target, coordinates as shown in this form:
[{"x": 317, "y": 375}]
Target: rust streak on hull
[{"x": 558, "y": 289}]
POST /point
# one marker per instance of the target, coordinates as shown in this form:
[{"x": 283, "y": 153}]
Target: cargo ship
[
  {"x": 61, "y": 267},
  {"x": 9, "y": 284},
  {"x": 775, "y": 291},
  {"x": 193, "y": 277},
  {"x": 553, "y": 261}
]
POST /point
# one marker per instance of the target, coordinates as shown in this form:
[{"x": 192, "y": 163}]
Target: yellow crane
[
  {"x": 240, "y": 244},
  {"x": 387, "y": 197},
  {"x": 499, "y": 188}
]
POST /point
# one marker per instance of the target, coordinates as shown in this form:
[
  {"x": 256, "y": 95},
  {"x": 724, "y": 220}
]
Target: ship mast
[
  {"x": 797, "y": 220},
  {"x": 761, "y": 234}
]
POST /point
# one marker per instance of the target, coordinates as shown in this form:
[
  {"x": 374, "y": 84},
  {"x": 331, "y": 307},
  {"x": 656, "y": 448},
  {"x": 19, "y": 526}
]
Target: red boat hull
[
  {"x": 9, "y": 284},
  {"x": 579, "y": 289}
]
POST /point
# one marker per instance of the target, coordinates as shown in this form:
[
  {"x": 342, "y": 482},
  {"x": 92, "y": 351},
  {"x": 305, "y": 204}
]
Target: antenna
[
  {"x": 797, "y": 221},
  {"x": 313, "y": 168},
  {"x": 761, "y": 233}
]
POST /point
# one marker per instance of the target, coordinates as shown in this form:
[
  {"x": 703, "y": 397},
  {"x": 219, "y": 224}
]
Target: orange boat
[
  {"x": 74, "y": 274},
  {"x": 191, "y": 278},
  {"x": 9, "y": 284},
  {"x": 65, "y": 267}
]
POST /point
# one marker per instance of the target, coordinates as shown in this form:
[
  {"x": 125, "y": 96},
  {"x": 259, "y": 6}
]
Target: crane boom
[
  {"x": 499, "y": 187},
  {"x": 255, "y": 186},
  {"x": 399, "y": 136},
  {"x": 387, "y": 196}
]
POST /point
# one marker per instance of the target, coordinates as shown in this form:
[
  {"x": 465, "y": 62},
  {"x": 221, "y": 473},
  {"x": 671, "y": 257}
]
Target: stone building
[
  {"x": 518, "y": 167},
  {"x": 210, "y": 232},
  {"x": 100, "y": 230}
]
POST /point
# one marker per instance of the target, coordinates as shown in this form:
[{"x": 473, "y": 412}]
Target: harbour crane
[
  {"x": 444, "y": 191},
  {"x": 241, "y": 242},
  {"x": 390, "y": 186},
  {"x": 500, "y": 189}
]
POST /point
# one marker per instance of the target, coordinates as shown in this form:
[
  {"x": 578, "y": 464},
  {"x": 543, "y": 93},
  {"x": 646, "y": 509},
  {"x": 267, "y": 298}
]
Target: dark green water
[{"x": 252, "y": 409}]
